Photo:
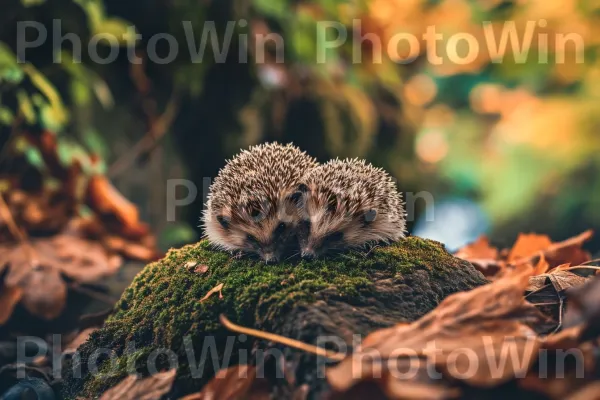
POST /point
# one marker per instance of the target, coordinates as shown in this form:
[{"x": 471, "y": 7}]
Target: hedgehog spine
[{"x": 252, "y": 205}]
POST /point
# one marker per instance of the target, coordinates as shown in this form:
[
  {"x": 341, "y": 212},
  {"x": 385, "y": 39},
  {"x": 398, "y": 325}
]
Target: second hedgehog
[
  {"x": 252, "y": 205},
  {"x": 348, "y": 203}
]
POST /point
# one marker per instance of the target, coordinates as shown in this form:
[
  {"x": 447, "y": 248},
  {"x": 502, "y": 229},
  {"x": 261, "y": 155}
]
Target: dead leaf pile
[
  {"x": 475, "y": 328},
  {"x": 476, "y": 342},
  {"x": 556, "y": 266},
  {"x": 44, "y": 242},
  {"x": 34, "y": 272},
  {"x": 530, "y": 250}
]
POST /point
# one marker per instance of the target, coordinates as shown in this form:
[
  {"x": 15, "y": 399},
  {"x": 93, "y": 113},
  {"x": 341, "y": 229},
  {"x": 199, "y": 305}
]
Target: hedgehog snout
[
  {"x": 308, "y": 253},
  {"x": 269, "y": 257}
]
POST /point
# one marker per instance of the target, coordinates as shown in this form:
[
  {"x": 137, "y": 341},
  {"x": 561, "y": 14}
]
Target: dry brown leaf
[
  {"x": 590, "y": 392},
  {"x": 35, "y": 270},
  {"x": 583, "y": 308},
  {"x": 234, "y": 383},
  {"x": 483, "y": 256},
  {"x": 568, "y": 251},
  {"x": 562, "y": 267},
  {"x": 563, "y": 340},
  {"x": 542, "y": 266},
  {"x": 561, "y": 378},
  {"x": 528, "y": 245},
  {"x": 479, "y": 249},
  {"x": 201, "y": 269},
  {"x": 106, "y": 200},
  {"x": 137, "y": 243},
  {"x": 487, "y": 322},
  {"x": 151, "y": 388},
  {"x": 559, "y": 279},
  {"x": 216, "y": 289}
]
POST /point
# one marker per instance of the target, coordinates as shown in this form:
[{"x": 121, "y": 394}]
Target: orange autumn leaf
[
  {"x": 542, "y": 266},
  {"x": 479, "y": 249},
  {"x": 567, "y": 251},
  {"x": 105, "y": 199},
  {"x": 527, "y": 245},
  {"x": 484, "y": 257},
  {"x": 488, "y": 320}
]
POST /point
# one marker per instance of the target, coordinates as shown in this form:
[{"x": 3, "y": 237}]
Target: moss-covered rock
[{"x": 352, "y": 293}]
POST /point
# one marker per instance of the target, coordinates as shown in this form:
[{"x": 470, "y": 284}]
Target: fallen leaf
[
  {"x": 527, "y": 245},
  {"x": 583, "y": 307},
  {"x": 201, "y": 269},
  {"x": 34, "y": 269},
  {"x": 568, "y": 251},
  {"x": 103, "y": 198},
  {"x": 542, "y": 266},
  {"x": 563, "y": 340},
  {"x": 562, "y": 267},
  {"x": 590, "y": 392},
  {"x": 559, "y": 279},
  {"x": 238, "y": 382},
  {"x": 483, "y": 256},
  {"x": 486, "y": 322},
  {"x": 212, "y": 291},
  {"x": 479, "y": 249},
  {"x": 151, "y": 388}
]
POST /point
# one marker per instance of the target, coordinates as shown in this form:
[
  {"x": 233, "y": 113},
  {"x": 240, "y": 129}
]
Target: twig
[
  {"x": 582, "y": 267},
  {"x": 157, "y": 126},
  {"x": 296, "y": 344},
  {"x": 537, "y": 290},
  {"x": 158, "y": 129},
  {"x": 560, "y": 315}
]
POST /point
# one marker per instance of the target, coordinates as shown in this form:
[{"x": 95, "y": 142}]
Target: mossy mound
[{"x": 352, "y": 293}]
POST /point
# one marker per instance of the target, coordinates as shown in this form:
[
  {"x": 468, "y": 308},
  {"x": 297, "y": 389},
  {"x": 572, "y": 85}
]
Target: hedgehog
[
  {"x": 253, "y": 203},
  {"x": 348, "y": 204}
]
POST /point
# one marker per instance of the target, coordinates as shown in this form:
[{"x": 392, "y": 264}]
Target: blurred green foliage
[{"x": 519, "y": 138}]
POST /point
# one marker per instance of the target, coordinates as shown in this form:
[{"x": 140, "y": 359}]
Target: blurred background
[{"x": 502, "y": 146}]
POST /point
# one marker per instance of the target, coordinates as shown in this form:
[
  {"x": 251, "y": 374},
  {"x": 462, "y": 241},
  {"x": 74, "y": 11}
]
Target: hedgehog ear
[
  {"x": 224, "y": 221},
  {"x": 369, "y": 216}
]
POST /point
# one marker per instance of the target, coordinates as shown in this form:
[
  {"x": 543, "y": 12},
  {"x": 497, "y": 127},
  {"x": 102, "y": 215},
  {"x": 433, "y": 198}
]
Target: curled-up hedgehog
[
  {"x": 252, "y": 204},
  {"x": 348, "y": 204}
]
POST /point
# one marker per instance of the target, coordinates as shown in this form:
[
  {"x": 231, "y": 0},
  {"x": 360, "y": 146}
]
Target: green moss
[{"x": 162, "y": 306}]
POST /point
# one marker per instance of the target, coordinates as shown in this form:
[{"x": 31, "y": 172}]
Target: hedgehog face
[
  {"x": 257, "y": 227},
  {"x": 244, "y": 210},
  {"x": 348, "y": 204},
  {"x": 326, "y": 225}
]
